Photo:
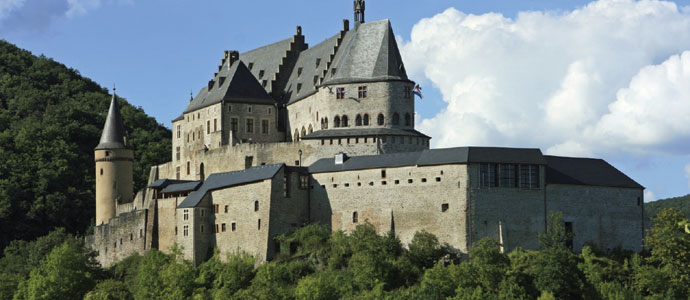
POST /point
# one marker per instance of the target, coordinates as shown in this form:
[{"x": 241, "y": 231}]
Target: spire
[
  {"x": 113, "y": 136},
  {"x": 359, "y": 12}
]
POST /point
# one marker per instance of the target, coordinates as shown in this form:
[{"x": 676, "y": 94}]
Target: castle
[{"x": 286, "y": 134}]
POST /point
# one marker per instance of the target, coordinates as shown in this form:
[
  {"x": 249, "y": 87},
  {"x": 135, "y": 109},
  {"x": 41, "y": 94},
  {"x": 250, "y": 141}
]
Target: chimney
[
  {"x": 299, "y": 30},
  {"x": 340, "y": 158},
  {"x": 231, "y": 56},
  {"x": 346, "y": 25}
]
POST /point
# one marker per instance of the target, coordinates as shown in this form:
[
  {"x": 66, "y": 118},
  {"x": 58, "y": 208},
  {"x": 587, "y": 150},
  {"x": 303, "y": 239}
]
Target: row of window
[
  {"x": 383, "y": 139},
  {"x": 249, "y": 125},
  {"x": 355, "y": 215},
  {"x": 216, "y": 207},
  {"x": 219, "y": 228},
  {"x": 362, "y": 92},
  {"x": 383, "y": 182},
  {"x": 509, "y": 176},
  {"x": 363, "y": 120}
]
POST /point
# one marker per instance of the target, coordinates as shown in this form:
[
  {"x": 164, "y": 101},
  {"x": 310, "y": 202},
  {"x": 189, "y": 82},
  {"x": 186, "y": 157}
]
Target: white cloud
[
  {"x": 609, "y": 76},
  {"x": 687, "y": 173},
  {"x": 649, "y": 196},
  {"x": 7, "y": 6}
]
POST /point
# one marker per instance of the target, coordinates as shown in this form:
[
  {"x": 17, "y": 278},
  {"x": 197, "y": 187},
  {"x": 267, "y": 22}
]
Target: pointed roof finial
[
  {"x": 113, "y": 136},
  {"x": 359, "y": 7}
]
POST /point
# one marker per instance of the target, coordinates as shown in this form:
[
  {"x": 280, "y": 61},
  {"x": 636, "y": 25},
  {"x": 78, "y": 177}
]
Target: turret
[{"x": 114, "y": 159}]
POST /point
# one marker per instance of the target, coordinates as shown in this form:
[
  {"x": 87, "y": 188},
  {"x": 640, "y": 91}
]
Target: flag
[{"x": 418, "y": 91}]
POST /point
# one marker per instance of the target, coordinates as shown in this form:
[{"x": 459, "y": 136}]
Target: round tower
[{"x": 114, "y": 159}]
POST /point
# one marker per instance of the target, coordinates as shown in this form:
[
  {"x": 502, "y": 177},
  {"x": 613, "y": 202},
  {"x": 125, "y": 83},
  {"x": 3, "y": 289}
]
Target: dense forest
[
  {"x": 682, "y": 203},
  {"x": 50, "y": 121},
  {"x": 320, "y": 264}
]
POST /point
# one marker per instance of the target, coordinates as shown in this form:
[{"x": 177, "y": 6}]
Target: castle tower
[
  {"x": 359, "y": 12},
  {"x": 114, "y": 158}
]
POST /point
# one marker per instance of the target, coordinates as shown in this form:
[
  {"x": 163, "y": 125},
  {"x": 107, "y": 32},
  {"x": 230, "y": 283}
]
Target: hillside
[
  {"x": 50, "y": 121},
  {"x": 681, "y": 203}
]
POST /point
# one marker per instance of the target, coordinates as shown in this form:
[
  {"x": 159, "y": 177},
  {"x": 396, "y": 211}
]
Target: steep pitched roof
[
  {"x": 222, "y": 180},
  {"x": 369, "y": 53},
  {"x": 113, "y": 136},
  {"x": 458, "y": 155},
  {"x": 267, "y": 59},
  {"x": 306, "y": 69},
  {"x": 235, "y": 84},
  {"x": 585, "y": 171}
]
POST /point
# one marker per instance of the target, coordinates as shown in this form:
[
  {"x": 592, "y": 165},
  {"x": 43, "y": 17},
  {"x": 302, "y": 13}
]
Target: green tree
[
  {"x": 66, "y": 273},
  {"x": 109, "y": 290},
  {"x": 424, "y": 250}
]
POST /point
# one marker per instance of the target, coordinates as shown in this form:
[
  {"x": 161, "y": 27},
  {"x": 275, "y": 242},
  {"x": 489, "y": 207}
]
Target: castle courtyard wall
[{"x": 122, "y": 237}]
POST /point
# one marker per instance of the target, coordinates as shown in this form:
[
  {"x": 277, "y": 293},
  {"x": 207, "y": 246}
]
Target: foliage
[
  {"x": 682, "y": 203},
  {"x": 50, "y": 120},
  {"x": 360, "y": 265}
]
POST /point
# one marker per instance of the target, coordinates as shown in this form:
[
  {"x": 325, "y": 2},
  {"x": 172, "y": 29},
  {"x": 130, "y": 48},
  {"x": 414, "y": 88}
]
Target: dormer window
[
  {"x": 261, "y": 74},
  {"x": 299, "y": 87},
  {"x": 264, "y": 83},
  {"x": 251, "y": 65},
  {"x": 318, "y": 62},
  {"x": 221, "y": 80},
  {"x": 333, "y": 72},
  {"x": 316, "y": 79},
  {"x": 299, "y": 72}
]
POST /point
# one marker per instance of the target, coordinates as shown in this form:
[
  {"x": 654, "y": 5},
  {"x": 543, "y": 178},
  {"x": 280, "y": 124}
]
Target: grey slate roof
[
  {"x": 222, "y": 180},
  {"x": 585, "y": 171},
  {"x": 164, "y": 182},
  {"x": 361, "y": 131},
  {"x": 181, "y": 187},
  {"x": 307, "y": 63},
  {"x": 267, "y": 58},
  {"x": 369, "y": 53},
  {"x": 459, "y": 155},
  {"x": 113, "y": 136},
  {"x": 235, "y": 84}
]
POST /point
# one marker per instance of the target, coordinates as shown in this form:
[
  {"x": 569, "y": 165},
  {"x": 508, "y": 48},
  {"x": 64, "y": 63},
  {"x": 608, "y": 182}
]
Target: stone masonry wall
[
  {"x": 407, "y": 200},
  {"x": 287, "y": 214},
  {"x": 122, "y": 237},
  {"x": 607, "y": 216}
]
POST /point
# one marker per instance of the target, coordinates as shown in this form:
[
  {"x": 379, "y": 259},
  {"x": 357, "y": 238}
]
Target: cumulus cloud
[
  {"x": 649, "y": 196},
  {"x": 7, "y": 6},
  {"x": 610, "y": 76}
]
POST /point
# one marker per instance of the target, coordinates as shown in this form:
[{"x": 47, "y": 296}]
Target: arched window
[
  {"x": 355, "y": 218},
  {"x": 344, "y": 121},
  {"x": 380, "y": 120},
  {"x": 358, "y": 120},
  {"x": 336, "y": 122},
  {"x": 396, "y": 119},
  {"x": 256, "y": 205},
  {"x": 304, "y": 131},
  {"x": 201, "y": 171},
  {"x": 296, "y": 139},
  {"x": 408, "y": 119},
  {"x": 325, "y": 122},
  {"x": 365, "y": 122},
  {"x": 311, "y": 129}
]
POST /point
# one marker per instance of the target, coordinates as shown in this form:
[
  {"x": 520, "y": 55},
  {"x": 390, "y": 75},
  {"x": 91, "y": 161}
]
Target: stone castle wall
[
  {"x": 609, "y": 217},
  {"x": 123, "y": 236}
]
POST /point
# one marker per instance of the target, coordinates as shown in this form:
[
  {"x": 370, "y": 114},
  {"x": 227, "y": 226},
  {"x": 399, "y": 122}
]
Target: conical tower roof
[{"x": 113, "y": 136}]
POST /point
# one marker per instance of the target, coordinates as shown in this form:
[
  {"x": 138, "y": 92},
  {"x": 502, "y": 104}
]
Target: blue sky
[{"x": 606, "y": 79}]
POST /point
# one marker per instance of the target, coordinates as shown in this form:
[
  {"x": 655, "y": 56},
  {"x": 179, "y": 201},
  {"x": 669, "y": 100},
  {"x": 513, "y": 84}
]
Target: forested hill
[
  {"x": 50, "y": 121},
  {"x": 680, "y": 203}
]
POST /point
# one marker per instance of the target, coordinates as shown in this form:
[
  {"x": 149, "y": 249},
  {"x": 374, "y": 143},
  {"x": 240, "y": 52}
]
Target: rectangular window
[
  {"x": 177, "y": 173},
  {"x": 234, "y": 123},
  {"x": 233, "y": 226},
  {"x": 286, "y": 185},
  {"x": 226, "y": 209},
  {"x": 179, "y": 131},
  {"x": 250, "y": 125},
  {"x": 216, "y": 208},
  {"x": 506, "y": 175},
  {"x": 264, "y": 126},
  {"x": 487, "y": 175},
  {"x": 177, "y": 153},
  {"x": 186, "y": 215},
  {"x": 340, "y": 93},
  {"x": 529, "y": 176},
  {"x": 215, "y": 125},
  {"x": 258, "y": 225},
  {"x": 185, "y": 230},
  {"x": 222, "y": 227},
  {"x": 408, "y": 92},
  {"x": 217, "y": 228},
  {"x": 303, "y": 182},
  {"x": 249, "y": 109},
  {"x": 208, "y": 127},
  {"x": 362, "y": 92},
  {"x": 188, "y": 171}
]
